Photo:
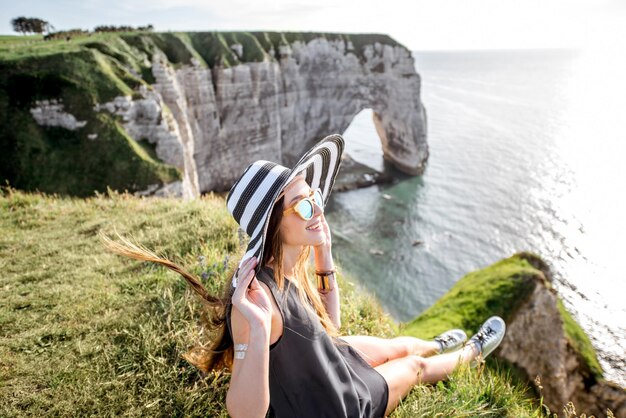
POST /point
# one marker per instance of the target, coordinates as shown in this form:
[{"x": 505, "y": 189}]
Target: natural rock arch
[
  {"x": 209, "y": 103},
  {"x": 276, "y": 109}
]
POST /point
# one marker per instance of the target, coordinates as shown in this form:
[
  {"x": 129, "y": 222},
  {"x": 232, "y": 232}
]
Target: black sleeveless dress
[{"x": 312, "y": 374}]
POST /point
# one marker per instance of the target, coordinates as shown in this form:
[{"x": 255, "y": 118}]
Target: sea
[{"x": 527, "y": 153}]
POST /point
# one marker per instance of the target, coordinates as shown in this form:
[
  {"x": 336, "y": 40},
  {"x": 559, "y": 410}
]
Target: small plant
[
  {"x": 539, "y": 387},
  {"x": 209, "y": 273}
]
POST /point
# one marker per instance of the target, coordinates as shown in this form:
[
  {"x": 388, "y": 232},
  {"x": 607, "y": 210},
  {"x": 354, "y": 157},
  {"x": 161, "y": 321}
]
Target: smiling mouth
[{"x": 314, "y": 228}]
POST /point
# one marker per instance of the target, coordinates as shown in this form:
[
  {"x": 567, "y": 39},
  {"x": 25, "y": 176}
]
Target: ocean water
[{"x": 527, "y": 153}]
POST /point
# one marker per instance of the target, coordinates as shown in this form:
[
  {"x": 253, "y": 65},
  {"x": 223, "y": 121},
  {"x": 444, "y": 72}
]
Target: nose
[{"x": 317, "y": 209}]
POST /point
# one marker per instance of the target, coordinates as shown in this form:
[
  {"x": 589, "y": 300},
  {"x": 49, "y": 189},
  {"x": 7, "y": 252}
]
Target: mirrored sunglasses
[{"x": 304, "y": 207}]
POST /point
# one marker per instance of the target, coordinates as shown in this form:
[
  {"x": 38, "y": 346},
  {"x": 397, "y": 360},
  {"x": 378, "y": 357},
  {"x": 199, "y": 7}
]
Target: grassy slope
[
  {"x": 53, "y": 159},
  {"x": 498, "y": 289},
  {"x": 95, "y": 68},
  {"x": 83, "y": 332}
]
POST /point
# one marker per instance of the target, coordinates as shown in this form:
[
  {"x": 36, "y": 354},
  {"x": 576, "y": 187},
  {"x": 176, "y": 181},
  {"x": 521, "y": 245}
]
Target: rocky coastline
[
  {"x": 543, "y": 343},
  {"x": 354, "y": 175},
  {"x": 204, "y": 104}
]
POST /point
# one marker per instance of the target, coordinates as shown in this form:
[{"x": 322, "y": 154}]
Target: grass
[
  {"x": 19, "y": 47},
  {"x": 485, "y": 392},
  {"x": 85, "y": 332},
  {"x": 496, "y": 290},
  {"x": 179, "y": 46}
]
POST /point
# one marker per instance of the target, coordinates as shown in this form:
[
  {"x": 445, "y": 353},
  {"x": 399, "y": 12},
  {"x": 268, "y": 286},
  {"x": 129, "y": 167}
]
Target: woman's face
[{"x": 293, "y": 229}]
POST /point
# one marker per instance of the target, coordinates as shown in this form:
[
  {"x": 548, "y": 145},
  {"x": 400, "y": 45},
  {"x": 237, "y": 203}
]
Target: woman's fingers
[
  {"x": 249, "y": 297},
  {"x": 254, "y": 284},
  {"x": 243, "y": 269},
  {"x": 326, "y": 229},
  {"x": 244, "y": 276}
]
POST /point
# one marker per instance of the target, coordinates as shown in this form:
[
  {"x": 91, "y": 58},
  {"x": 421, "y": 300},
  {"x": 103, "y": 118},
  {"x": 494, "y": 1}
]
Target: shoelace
[
  {"x": 483, "y": 335},
  {"x": 448, "y": 339}
]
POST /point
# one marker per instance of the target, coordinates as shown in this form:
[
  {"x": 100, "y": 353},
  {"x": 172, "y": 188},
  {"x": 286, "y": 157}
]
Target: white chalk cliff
[
  {"x": 226, "y": 118},
  {"x": 219, "y": 108}
]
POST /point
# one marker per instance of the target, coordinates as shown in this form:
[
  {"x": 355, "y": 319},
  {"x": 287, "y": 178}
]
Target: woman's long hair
[{"x": 220, "y": 353}]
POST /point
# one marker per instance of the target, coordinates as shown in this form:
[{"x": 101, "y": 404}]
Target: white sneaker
[
  {"x": 488, "y": 337},
  {"x": 451, "y": 340}
]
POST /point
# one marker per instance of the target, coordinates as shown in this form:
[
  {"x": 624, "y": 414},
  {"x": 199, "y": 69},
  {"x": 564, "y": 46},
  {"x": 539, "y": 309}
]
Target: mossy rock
[
  {"x": 579, "y": 340},
  {"x": 495, "y": 290},
  {"x": 499, "y": 289}
]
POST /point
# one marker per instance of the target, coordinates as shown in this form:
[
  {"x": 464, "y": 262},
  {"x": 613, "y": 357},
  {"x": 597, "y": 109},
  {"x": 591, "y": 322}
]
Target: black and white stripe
[{"x": 251, "y": 199}]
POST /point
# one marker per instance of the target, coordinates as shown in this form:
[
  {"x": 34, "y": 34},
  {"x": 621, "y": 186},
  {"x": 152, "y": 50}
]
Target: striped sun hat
[{"x": 251, "y": 199}]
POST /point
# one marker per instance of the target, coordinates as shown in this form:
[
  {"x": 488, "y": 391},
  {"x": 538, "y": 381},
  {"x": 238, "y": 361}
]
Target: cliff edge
[
  {"x": 139, "y": 110},
  {"x": 543, "y": 342}
]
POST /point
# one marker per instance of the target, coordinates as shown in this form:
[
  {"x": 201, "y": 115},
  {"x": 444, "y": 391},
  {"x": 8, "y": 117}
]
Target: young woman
[{"x": 280, "y": 334}]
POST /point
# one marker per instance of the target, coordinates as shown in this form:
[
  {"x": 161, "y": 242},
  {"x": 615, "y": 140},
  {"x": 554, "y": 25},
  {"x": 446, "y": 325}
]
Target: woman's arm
[
  {"x": 332, "y": 304},
  {"x": 251, "y": 322},
  {"x": 248, "y": 394},
  {"x": 324, "y": 262}
]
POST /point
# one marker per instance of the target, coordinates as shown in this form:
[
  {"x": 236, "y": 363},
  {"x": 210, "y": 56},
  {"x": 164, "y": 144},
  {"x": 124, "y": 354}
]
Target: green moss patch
[
  {"x": 495, "y": 290},
  {"x": 54, "y": 159},
  {"x": 580, "y": 342}
]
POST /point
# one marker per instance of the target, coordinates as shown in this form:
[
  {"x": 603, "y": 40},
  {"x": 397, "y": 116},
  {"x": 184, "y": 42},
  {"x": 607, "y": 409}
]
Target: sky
[{"x": 417, "y": 24}]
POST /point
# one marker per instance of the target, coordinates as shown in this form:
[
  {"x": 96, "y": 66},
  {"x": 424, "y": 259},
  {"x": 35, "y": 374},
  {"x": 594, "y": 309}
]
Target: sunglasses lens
[
  {"x": 305, "y": 208},
  {"x": 319, "y": 199}
]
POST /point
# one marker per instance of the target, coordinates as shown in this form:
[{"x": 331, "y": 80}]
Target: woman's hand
[
  {"x": 323, "y": 252},
  {"x": 250, "y": 298},
  {"x": 251, "y": 327},
  {"x": 327, "y": 244}
]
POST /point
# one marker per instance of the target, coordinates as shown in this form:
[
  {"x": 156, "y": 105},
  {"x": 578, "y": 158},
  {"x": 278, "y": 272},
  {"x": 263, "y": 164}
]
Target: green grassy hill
[
  {"x": 85, "y": 332},
  {"x": 54, "y": 159}
]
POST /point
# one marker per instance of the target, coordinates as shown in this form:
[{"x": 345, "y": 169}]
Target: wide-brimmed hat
[{"x": 251, "y": 199}]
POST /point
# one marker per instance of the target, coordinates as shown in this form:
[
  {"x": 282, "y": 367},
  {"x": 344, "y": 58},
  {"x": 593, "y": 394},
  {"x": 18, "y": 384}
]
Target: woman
[{"x": 281, "y": 334}]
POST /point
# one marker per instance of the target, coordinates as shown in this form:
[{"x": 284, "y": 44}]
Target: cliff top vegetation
[{"x": 211, "y": 48}]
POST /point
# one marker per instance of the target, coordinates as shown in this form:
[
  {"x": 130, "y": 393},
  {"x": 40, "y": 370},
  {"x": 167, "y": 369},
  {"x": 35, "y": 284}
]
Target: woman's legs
[
  {"x": 403, "y": 373},
  {"x": 377, "y": 351}
]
